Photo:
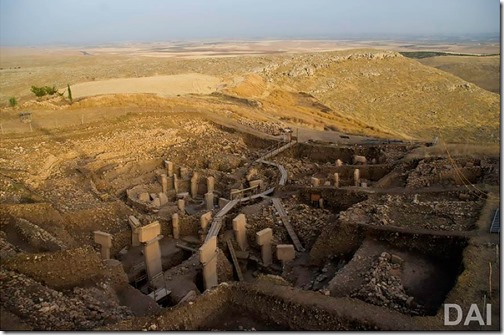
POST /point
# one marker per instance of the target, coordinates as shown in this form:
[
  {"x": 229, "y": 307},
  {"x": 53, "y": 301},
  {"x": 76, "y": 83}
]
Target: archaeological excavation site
[{"x": 184, "y": 221}]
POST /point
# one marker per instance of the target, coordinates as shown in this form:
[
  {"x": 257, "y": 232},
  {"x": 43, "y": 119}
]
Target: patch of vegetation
[
  {"x": 13, "y": 102},
  {"x": 427, "y": 54},
  {"x": 44, "y": 90}
]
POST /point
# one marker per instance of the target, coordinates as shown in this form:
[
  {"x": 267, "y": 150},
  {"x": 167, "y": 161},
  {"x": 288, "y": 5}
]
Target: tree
[
  {"x": 12, "y": 102},
  {"x": 69, "y": 93}
]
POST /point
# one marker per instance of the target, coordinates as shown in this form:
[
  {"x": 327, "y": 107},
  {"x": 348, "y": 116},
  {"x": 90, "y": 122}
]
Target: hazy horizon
[{"x": 72, "y": 22}]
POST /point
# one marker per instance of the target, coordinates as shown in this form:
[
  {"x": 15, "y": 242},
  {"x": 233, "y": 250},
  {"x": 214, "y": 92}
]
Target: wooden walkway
[
  {"x": 217, "y": 220},
  {"x": 285, "y": 220},
  {"x": 495, "y": 226}
]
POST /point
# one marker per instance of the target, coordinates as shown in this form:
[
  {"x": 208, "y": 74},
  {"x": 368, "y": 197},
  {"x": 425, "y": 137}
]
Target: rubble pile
[
  {"x": 271, "y": 128},
  {"x": 440, "y": 171},
  {"x": 47, "y": 309},
  {"x": 299, "y": 170},
  {"x": 308, "y": 222},
  {"x": 401, "y": 210},
  {"x": 37, "y": 237},
  {"x": 383, "y": 287}
]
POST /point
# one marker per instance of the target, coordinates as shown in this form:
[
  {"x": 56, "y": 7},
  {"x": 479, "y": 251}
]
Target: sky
[{"x": 85, "y": 22}]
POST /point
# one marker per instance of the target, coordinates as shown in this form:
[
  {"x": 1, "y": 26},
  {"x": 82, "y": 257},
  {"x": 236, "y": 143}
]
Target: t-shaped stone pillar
[
  {"x": 208, "y": 258},
  {"x": 356, "y": 176},
  {"x": 285, "y": 253},
  {"x": 315, "y": 182},
  {"x": 336, "y": 179},
  {"x": 209, "y": 200},
  {"x": 263, "y": 238},
  {"x": 194, "y": 185},
  {"x": 339, "y": 163},
  {"x": 240, "y": 230},
  {"x": 105, "y": 240},
  {"x": 204, "y": 220},
  {"x": 176, "y": 226},
  {"x": 164, "y": 183},
  {"x": 135, "y": 226},
  {"x": 210, "y": 181},
  {"x": 149, "y": 235},
  {"x": 169, "y": 168}
]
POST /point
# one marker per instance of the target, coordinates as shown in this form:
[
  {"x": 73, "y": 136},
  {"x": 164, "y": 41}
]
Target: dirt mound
[
  {"x": 249, "y": 86},
  {"x": 60, "y": 269}
]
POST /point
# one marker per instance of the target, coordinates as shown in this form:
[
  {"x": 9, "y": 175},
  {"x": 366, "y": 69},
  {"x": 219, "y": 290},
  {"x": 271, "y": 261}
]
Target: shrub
[
  {"x": 12, "y": 102},
  {"x": 45, "y": 90}
]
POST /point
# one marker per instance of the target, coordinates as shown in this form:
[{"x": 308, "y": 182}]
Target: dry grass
[
  {"x": 482, "y": 71},
  {"x": 455, "y": 150}
]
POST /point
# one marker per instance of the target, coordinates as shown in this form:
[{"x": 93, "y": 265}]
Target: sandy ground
[
  {"x": 170, "y": 85},
  {"x": 211, "y": 49}
]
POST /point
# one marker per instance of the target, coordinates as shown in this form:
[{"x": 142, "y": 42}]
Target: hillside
[
  {"x": 482, "y": 71},
  {"x": 365, "y": 91}
]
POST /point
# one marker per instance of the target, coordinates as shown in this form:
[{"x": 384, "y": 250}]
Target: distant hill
[{"x": 385, "y": 91}]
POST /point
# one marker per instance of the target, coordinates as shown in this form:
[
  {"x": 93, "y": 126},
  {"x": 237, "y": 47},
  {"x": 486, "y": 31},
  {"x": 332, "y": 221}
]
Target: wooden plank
[
  {"x": 235, "y": 260},
  {"x": 285, "y": 220}
]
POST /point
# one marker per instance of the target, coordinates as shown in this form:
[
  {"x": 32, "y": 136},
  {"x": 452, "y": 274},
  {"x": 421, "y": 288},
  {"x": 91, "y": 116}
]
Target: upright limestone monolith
[
  {"x": 164, "y": 183},
  {"x": 336, "y": 180},
  {"x": 357, "y": 177},
  {"x": 135, "y": 226},
  {"x": 149, "y": 236},
  {"x": 169, "y": 168},
  {"x": 210, "y": 184},
  {"x": 209, "y": 201},
  {"x": 175, "y": 226},
  {"x": 194, "y": 185},
  {"x": 240, "y": 230},
  {"x": 175, "y": 182},
  {"x": 204, "y": 220},
  {"x": 208, "y": 258},
  {"x": 105, "y": 241},
  {"x": 263, "y": 238}
]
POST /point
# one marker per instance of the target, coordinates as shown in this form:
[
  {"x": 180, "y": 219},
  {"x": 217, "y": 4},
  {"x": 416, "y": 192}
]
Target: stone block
[
  {"x": 285, "y": 252},
  {"x": 163, "y": 199},
  {"x": 103, "y": 239},
  {"x": 156, "y": 203},
  {"x": 149, "y": 232}
]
